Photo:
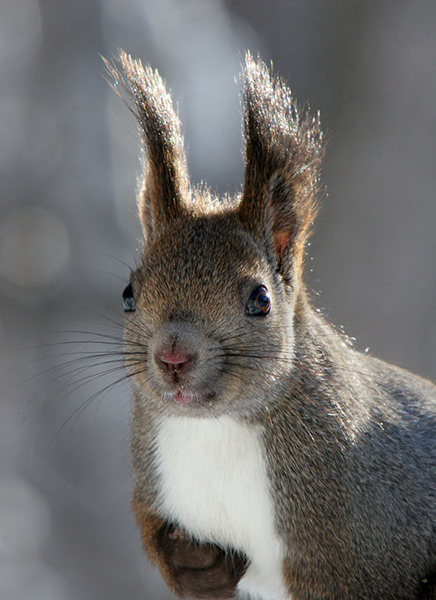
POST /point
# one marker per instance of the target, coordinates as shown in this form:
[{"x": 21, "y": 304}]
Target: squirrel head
[{"x": 211, "y": 305}]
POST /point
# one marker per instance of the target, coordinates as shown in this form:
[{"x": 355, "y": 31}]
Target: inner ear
[
  {"x": 281, "y": 241},
  {"x": 281, "y": 205}
]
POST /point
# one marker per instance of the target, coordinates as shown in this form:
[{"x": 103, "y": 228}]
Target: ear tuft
[
  {"x": 283, "y": 154},
  {"x": 166, "y": 182}
]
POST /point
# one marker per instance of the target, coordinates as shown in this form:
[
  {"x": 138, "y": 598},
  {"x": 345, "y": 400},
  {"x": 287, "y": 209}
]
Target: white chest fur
[{"x": 214, "y": 484}]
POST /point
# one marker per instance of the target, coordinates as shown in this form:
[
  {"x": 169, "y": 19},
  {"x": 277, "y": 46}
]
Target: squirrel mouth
[{"x": 183, "y": 398}]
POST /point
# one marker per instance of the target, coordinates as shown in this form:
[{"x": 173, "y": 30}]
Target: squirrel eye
[
  {"x": 259, "y": 303},
  {"x": 129, "y": 303}
]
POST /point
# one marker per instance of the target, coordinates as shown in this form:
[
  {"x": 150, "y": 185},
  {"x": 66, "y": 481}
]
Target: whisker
[{"x": 79, "y": 410}]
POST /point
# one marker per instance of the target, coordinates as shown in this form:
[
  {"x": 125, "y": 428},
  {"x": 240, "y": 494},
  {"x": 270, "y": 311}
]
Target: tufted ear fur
[
  {"x": 283, "y": 153},
  {"x": 165, "y": 189}
]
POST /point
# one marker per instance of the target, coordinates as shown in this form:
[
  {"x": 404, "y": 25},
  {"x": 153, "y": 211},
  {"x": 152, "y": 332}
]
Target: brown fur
[{"x": 151, "y": 527}]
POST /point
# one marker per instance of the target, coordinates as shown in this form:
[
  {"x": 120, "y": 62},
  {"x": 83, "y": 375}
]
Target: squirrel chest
[{"x": 214, "y": 484}]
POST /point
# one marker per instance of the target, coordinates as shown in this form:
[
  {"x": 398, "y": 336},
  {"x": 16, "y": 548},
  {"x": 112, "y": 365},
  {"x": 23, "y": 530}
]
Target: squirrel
[{"x": 271, "y": 459}]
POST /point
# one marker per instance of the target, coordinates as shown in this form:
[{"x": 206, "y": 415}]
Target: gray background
[{"x": 69, "y": 231}]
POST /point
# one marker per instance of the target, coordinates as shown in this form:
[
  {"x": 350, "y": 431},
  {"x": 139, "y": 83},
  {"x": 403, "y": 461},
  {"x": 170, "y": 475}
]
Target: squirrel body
[{"x": 271, "y": 458}]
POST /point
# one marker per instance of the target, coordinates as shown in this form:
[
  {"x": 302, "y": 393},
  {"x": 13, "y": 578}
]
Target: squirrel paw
[{"x": 202, "y": 570}]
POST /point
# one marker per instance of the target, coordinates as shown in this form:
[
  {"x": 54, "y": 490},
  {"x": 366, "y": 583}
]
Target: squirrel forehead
[{"x": 214, "y": 248}]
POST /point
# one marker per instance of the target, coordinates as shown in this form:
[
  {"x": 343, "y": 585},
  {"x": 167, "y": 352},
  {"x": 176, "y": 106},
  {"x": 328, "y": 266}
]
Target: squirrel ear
[
  {"x": 166, "y": 183},
  {"x": 283, "y": 153}
]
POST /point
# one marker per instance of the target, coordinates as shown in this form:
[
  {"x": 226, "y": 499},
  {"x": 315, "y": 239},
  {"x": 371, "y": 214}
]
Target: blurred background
[{"x": 69, "y": 231}]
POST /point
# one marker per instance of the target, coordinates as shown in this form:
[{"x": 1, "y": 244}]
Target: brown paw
[{"x": 202, "y": 570}]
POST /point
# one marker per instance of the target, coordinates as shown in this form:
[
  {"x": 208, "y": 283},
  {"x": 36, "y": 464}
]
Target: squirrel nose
[{"x": 174, "y": 362}]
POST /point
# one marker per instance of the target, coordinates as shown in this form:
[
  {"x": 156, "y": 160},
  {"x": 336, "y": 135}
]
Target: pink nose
[{"x": 174, "y": 362}]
